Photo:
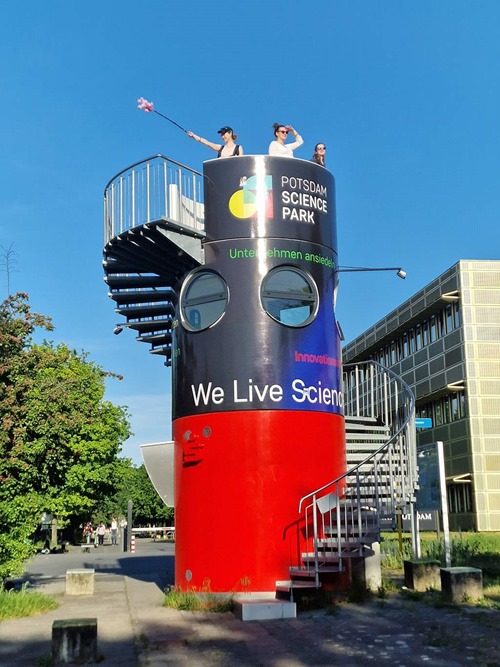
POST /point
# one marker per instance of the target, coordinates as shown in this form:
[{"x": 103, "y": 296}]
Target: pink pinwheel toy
[{"x": 142, "y": 103}]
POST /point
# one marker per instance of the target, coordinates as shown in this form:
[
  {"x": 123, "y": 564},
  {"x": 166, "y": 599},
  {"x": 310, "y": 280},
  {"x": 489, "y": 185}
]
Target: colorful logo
[{"x": 254, "y": 197}]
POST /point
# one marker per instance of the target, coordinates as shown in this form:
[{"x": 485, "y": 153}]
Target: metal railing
[
  {"x": 154, "y": 188},
  {"x": 342, "y": 516}
]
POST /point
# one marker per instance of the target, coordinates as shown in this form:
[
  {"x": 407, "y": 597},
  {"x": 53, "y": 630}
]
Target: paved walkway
[{"x": 134, "y": 629}]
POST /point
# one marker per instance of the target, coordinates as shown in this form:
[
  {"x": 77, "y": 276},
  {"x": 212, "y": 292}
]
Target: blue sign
[{"x": 423, "y": 422}]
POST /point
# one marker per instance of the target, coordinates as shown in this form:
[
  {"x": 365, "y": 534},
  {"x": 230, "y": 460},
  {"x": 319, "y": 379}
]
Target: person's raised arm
[
  {"x": 205, "y": 142},
  {"x": 298, "y": 139}
]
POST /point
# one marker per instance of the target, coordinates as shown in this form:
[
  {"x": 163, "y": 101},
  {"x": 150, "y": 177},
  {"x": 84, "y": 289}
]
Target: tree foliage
[
  {"x": 135, "y": 485},
  {"x": 59, "y": 438}
]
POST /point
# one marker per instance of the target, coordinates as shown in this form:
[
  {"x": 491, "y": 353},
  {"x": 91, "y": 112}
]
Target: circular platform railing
[{"x": 147, "y": 191}]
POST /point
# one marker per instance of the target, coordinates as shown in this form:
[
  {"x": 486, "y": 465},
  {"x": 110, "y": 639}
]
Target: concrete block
[
  {"x": 74, "y": 640},
  {"x": 264, "y": 610},
  {"x": 366, "y": 572},
  {"x": 461, "y": 584},
  {"x": 80, "y": 582},
  {"x": 421, "y": 574}
]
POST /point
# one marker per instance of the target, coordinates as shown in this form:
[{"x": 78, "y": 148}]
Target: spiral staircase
[
  {"x": 153, "y": 227},
  {"x": 342, "y": 520}
]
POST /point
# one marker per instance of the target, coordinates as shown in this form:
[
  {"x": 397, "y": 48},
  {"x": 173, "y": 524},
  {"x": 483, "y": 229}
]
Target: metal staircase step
[
  {"x": 361, "y": 419},
  {"x": 366, "y": 428},
  {"x": 325, "y": 558},
  {"x": 135, "y": 281},
  {"x": 141, "y": 296},
  {"x": 146, "y": 310},
  {"x": 366, "y": 437}
]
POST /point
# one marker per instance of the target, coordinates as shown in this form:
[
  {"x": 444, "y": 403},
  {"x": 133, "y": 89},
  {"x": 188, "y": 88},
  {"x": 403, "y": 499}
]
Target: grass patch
[
  {"x": 201, "y": 599},
  {"x": 18, "y": 604},
  {"x": 479, "y": 550}
]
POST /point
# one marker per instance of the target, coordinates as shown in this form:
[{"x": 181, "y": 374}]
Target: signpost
[
  {"x": 423, "y": 422},
  {"x": 432, "y": 492}
]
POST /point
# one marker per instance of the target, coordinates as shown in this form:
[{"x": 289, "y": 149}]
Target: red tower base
[{"x": 239, "y": 477}]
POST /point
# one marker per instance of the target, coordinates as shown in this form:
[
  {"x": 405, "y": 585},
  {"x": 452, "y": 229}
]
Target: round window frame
[
  {"x": 188, "y": 282},
  {"x": 308, "y": 279}
]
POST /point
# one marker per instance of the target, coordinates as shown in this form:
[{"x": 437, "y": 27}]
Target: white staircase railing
[
  {"x": 343, "y": 517},
  {"x": 154, "y": 188}
]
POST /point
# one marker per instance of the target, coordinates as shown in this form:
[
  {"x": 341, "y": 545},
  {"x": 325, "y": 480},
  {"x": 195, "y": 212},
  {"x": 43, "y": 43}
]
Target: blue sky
[{"x": 405, "y": 94}]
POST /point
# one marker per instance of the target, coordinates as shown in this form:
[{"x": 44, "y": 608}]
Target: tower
[
  {"x": 257, "y": 412},
  {"x": 234, "y": 283}
]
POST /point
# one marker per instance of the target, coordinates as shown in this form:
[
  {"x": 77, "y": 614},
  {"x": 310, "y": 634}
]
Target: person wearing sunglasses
[
  {"x": 278, "y": 146},
  {"x": 319, "y": 154},
  {"x": 228, "y": 148}
]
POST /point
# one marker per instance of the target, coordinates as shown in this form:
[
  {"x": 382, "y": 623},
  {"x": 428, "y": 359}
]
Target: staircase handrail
[
  {"x": 151, "y": 189},
  {"x": 408, "y": 421},
  {"x": 344, "y": 520}
]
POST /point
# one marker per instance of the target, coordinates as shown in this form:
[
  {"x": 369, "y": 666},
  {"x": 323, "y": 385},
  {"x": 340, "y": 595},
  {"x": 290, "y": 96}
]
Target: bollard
[
  {"x": 80, "y": 582},
  {"x": 461, "y": 584},
  {"x": 132, "y": 544},
  {"x": 74, "y": 640}
]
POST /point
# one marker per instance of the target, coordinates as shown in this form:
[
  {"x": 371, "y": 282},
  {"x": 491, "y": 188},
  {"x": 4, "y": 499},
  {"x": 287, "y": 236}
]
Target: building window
[
  {"x": 203, "y": 300},
  {"x": 459, "y": 498},
  {"x": 393, "y": 353},
  {"x": 449, "y": 318},
  {"x": 456, "y": 314},
  {"x": 438, "y": 414},
  {"x": 444, "y": 410},
  {"x": 425, "y": 333},
  {"x": 432, "y": 329},
  {"x": 406, "y": 349},
  {"x": 441, "y": 322},
  {"x": 462, "y": 404},
  {"x": 412, "y": 341},
  {"x": 289, "y": 296}
]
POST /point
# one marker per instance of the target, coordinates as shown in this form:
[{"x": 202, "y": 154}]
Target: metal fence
[{"x": 147, "y": 191}]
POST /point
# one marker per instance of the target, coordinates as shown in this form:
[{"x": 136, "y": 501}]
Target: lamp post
[{"x": 401, "y": 273}]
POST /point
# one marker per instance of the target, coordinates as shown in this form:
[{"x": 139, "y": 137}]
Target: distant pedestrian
[
  {"x": 278, "y": 146},
  {"x": 87, "y": 531},
  {"x": 101, "y": 532},
  {"x": 114, "y": 530},
  {"x": 319, "y": 154}
]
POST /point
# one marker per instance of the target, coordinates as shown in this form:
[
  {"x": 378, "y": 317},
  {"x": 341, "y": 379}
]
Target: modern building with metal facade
[{"x": 445, "y": 343}]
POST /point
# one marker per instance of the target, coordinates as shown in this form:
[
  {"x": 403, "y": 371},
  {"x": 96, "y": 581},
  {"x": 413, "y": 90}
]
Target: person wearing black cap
[{"x": 228, "y": 148}]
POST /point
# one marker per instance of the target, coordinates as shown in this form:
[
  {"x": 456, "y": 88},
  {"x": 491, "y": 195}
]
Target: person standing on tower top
[
  {"x": 228, "y": 148},
  {"x": 278, "y": 146},
  {"x": 319, "y": 154}
]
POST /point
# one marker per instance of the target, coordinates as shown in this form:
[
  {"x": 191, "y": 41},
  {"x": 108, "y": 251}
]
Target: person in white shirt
[
  {"x": 114, "y": 530},
  {"x": 278, "y": 146}
]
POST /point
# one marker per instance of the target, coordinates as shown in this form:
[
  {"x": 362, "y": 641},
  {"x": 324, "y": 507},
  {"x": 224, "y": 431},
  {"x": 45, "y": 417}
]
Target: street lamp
[
  {"x": 120, "y": 327},
  {"x": 401, "y": 273}
]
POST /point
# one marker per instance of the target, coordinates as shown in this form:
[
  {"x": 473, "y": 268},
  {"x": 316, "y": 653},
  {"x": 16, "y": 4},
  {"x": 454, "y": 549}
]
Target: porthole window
[
  {"x": 289, "y": 296},
  {"x": 203, "y": 300}
]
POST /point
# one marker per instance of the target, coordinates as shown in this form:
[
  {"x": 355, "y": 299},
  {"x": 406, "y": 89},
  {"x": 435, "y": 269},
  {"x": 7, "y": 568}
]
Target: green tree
[
  {"x": 59, "y": 438},
  {"x": 135, "y": 485}
]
